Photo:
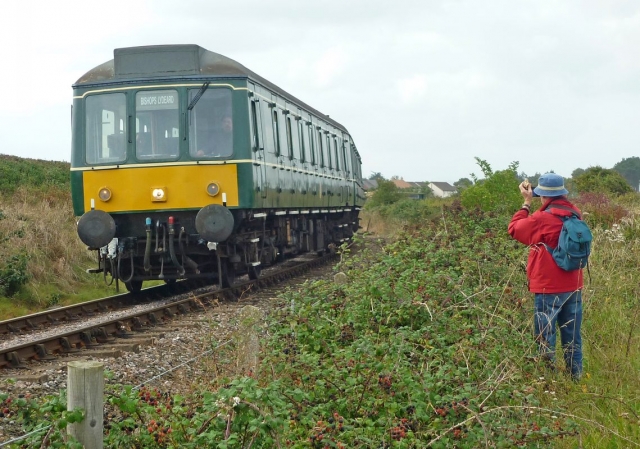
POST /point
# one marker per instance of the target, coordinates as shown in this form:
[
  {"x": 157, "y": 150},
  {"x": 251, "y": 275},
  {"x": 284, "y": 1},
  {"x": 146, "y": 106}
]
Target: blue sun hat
[{"x": 550, "y": 185}]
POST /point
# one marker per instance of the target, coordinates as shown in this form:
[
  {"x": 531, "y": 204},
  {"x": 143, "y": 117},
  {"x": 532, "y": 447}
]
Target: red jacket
[{"x": 542, "y": 227}]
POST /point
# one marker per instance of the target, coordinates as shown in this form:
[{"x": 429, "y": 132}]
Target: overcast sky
[{"x": 423, "y": 86}]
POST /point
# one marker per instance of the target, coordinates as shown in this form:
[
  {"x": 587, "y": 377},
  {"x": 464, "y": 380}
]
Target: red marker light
[{"x": 170, "y": 220}]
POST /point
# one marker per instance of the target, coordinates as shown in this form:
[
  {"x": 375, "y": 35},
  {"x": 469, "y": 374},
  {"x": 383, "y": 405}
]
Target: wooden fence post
[
  {"x": 247, "y": 339},
  {"x": 85, "y": 390}
]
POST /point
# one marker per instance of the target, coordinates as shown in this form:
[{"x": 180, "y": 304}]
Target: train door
[
  {"x": 257, "y": 147},
  {"x": 288, "y": 155},
  {"x": 328, "y": 169},
  {"x": 322, "y": 166},
  {"x": 314, "y": 176},
  {"x": 303, "y": 160},
  {"x": 271, "y": 148},
  {"x": 346, "y": 158},
  {"x": 280, "y": 149}
]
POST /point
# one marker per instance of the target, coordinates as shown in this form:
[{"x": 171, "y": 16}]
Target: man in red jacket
[{"x": 558, "y": 293}]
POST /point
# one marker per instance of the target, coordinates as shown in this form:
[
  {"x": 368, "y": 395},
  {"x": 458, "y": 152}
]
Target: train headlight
[
  {"x": 158, "y": 194},
  {"x": 104, "y": 194},
  {"x": 213, "y": 189}
]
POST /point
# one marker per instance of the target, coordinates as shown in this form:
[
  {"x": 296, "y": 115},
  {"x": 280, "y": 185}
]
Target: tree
[
  {"x": 376, "y": 175},
  {"x": 462, "y": 184},
  {"x": 602, "y": 180},
  {"x": 386, "y": 193},
  {"x": 629, "y": 168},
  {"x": 577, "y": 172},
  {"x": 533, "y": 179}
]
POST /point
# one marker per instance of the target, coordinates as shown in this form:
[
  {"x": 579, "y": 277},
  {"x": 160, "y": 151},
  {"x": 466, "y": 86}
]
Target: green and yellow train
[{"x": 186, "y": 164}]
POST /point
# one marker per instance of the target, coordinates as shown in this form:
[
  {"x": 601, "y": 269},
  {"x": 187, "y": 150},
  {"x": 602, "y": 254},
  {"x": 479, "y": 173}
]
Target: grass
[{"x": 42, "y": 260}]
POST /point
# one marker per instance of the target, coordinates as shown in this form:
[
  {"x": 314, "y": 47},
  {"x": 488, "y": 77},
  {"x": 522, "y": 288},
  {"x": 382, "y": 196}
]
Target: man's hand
[{"x": 526, "y": 191}]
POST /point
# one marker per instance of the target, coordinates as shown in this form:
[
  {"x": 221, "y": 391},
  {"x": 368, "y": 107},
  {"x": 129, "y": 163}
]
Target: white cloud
[
  {"x": 330, "y": 65},
  {"x": 412, "y": 89}
]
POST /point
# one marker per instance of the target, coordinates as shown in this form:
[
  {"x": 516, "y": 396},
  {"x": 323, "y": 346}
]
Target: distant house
[
  {"x": 402, "y": 184},
  {"x": 369, "y": 184},
  {"x": 442, "y": 189}
]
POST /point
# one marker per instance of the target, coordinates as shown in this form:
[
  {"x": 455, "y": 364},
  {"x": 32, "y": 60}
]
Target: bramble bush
[
  {"x": 599, "y": 210},
  {"x": 13, "y": 274},
  {"x": 497, "y": 192}
]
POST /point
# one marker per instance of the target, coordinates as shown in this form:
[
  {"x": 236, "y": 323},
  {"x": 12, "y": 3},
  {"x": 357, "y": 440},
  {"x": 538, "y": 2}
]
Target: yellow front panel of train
[{"x": 160, "y": 187}]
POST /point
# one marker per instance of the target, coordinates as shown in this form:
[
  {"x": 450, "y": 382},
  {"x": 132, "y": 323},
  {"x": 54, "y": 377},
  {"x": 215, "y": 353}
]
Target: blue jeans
[{"x": 565, "y": 309}]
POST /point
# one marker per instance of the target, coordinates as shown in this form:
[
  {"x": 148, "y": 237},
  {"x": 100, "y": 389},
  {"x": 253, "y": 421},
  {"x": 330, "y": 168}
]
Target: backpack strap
[{"x": 574, "y": 212}]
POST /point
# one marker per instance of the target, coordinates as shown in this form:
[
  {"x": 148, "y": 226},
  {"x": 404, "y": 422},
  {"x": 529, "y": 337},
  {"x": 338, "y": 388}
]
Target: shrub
[
  {"x": 13, "y": 274},
  {"x": 599, "y": 210},
  {"x": 498, "y": 192},
  {"x": 16, "y": 172},
  {"x": 386, "y": 193},
  {"x": 602, "y": 180},
  {"x": 629, "y": 200}
]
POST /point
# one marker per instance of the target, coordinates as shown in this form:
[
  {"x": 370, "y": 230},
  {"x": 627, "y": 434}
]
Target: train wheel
[
  {"x": 254, "y": 272},
  {"x": 228, "y": 274},
  {"x": 133, "y": 286}
]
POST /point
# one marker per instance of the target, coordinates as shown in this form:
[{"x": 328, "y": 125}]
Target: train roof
[{"x": 169, "y": 61}]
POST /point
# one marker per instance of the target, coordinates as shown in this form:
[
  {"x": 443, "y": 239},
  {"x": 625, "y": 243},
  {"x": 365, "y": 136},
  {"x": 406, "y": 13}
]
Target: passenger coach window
[
  {"x": 211, "y": 124},
  {"x": 312, "y": 144},
  {"x": 157, "y": 124},
  {"x": 321, "y": 149},
  {"x": 276, "y": 131},
  {"x": 345, "y": 152},
  {"x": 289, "y": 138},
  {"x": 303, "y": 145},
  {"x": 105, "y": 128}
]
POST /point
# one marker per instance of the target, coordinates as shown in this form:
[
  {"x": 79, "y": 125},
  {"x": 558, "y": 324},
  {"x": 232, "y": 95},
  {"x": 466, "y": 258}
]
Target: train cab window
[
  {"x": 157, "y": 125},
  {"x": 210, "y": 123},
  {"x": 105, "y": 128}
]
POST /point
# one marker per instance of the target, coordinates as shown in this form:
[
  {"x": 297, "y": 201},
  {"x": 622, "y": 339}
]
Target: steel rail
[
  {"x": 78, "y": 311},
  {"x": 122, "y": 327}
]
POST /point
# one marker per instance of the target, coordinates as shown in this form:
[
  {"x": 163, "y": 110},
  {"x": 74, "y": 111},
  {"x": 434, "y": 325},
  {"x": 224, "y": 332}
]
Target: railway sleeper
[
  {"x": 42, "y": 353},
  {"x": 14, "y": 360}
]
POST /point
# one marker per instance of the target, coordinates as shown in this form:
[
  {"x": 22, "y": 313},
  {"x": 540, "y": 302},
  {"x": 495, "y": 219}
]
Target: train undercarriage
[{"x": 171, "y": 248}]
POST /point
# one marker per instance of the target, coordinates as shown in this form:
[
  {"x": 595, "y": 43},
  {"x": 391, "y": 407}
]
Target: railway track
[{"x": 94, "y": 323}]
